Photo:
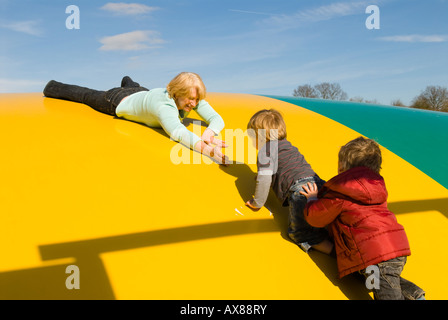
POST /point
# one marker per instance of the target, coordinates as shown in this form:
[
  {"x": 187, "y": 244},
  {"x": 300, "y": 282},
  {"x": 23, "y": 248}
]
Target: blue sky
[{"x": 244, "y": 46}]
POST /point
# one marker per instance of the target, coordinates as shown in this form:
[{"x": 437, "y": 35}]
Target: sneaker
[{"x": 127, "y": 82}]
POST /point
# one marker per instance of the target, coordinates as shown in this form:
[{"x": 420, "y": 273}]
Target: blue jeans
[
  {"x": 300, "y": 232},
  {"x": 391, "y": 285}
]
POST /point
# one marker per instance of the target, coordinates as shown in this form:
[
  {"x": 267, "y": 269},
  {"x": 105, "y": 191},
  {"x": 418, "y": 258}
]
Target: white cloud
[
  {"x": 322, "y": 13},
  {"x": 122, "y": 8},
  {"x": 31, "y": 27},
  {"x": 415, "y": 38},
  {"x": 252, "y": 12},
  {"x": 333, "y": 10},
  {"x": 132, "y": 41}
]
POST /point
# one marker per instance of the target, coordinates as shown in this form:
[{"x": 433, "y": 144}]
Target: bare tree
[
  {"x": 305, "y": 91},
  {"x": 362, "y": 100},
  {"x": 432, "y": 98},
  {"x": 324, "y": 90},
  {"x": 331, "y": 91},
  {"x": 397, "y": 103},
  {"x": 357, "y": 99}
]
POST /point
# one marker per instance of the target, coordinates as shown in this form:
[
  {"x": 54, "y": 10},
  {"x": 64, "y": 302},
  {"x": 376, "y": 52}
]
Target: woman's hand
[
  {"x": 212, "y": 152},
  {"x": 217, "y": 155},
  {"x": 214, "y": 147},
  {"x": 209, "y": 138},
  {"x": 310, "y": 191}
]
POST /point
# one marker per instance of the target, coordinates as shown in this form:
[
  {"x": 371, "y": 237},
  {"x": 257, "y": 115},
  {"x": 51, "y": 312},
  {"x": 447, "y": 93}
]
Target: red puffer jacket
[{"x": 353, "y": 205}]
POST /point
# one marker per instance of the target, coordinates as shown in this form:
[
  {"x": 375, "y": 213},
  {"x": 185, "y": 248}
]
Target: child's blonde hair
[
  {"x": 270, "y": 122},
  {"x": 360, "y": 152},
  {"x": 182, "y": 84}
]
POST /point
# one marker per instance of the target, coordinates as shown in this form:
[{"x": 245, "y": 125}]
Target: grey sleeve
[
  {"x": 267, "y": 166},
  {"x": 262, "y": 188}
]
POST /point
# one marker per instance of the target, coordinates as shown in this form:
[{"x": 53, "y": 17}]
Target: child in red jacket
[{"x": 366, "y": 234}]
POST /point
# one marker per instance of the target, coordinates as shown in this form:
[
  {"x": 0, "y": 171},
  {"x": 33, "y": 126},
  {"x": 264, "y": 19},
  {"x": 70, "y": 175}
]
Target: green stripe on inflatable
[{"x": 418, "y": 136}]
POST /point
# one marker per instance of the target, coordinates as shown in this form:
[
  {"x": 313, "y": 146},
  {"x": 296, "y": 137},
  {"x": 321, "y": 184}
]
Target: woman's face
[{"x": 189, "y": 102}]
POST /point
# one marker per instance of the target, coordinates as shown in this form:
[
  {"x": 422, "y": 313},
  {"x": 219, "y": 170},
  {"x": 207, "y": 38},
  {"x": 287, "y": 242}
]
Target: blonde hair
[
  {"x": 360, "y": 152},
  {"x": 182, "y": 84},
  {"x": 270, "y": 122}
]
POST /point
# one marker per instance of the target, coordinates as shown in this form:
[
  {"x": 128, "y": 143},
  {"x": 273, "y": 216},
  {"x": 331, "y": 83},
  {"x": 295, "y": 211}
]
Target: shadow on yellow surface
[
  {"x": 45, "y": 282},
  {"x": 440, "y": 205}
]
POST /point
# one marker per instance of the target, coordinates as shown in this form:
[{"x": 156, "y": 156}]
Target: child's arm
[
  {"x": 320, "y": 212},
  {"x": 263, "y": 184},
  {"x": 266, "y": 166}
]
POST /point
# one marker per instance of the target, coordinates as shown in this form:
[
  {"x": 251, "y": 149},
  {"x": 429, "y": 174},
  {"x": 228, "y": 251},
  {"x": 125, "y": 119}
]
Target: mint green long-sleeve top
[{"x": 156, "y": 109}]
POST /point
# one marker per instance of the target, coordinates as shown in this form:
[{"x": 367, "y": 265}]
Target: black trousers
[{"x": 102, "y": 101}]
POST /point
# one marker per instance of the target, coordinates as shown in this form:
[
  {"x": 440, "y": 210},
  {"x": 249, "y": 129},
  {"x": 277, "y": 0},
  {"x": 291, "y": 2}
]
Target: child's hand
[
  {"x": 249, "y": 204},
  {"x": 310, "y": 190}
]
